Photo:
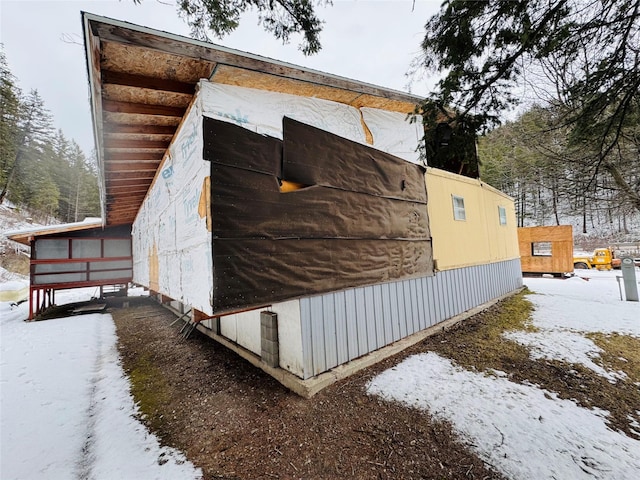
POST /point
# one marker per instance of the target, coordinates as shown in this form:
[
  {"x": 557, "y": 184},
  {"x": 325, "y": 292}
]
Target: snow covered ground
[
  {"x": 65, "y": 406},
  {"x": 525, "y": 432},
  {"x": 66, "y": 409}
]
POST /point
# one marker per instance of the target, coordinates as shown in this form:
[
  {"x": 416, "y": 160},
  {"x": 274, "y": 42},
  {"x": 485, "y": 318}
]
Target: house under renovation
[{"x": 287, "y": 212}]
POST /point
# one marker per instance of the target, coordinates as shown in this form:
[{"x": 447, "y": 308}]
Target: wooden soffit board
[
  {"x": 265, "y": 81},
  {"x": 142, "y": 82}
]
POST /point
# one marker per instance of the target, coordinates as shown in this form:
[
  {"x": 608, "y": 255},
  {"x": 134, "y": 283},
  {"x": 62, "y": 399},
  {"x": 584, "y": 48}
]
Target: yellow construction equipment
[{"x": 602, "y": 259}]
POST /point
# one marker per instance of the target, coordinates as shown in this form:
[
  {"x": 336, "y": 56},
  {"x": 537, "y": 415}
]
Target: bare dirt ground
[{"x": 234, "y": 421}]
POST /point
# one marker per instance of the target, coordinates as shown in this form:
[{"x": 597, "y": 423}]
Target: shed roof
[
  {"x": 142, "y": 81},
  {"x": 25, "y": 235}
]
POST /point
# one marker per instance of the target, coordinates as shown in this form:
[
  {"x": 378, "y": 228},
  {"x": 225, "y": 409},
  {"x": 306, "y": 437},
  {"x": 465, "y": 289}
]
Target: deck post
[{"x": 269, "y": 339}]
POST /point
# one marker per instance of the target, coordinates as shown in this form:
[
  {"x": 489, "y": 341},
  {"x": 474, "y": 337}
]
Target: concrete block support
[{"x": 269, "y": 339}]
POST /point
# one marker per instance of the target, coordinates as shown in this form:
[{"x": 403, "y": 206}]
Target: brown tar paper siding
[
  {"x": 228, "y": 144},
  {"x": 332, "y": 235},
  {"x": 254, "y": 208},
  {"x": 317, "y": 157}
]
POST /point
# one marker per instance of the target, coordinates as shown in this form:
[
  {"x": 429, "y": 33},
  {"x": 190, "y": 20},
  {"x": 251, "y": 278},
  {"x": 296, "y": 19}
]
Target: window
[
  {"x": 541, "y": 249},
  {"x": 50, "y": 248},
  {"x": 86, "y": 248},
  {"x": 502, "y": 213},
  {"x": 458, "y": 208}
]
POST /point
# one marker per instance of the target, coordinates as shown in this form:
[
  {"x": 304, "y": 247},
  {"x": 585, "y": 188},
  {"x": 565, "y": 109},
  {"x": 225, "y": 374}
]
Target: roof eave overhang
[{"x": 137, "y": 104}]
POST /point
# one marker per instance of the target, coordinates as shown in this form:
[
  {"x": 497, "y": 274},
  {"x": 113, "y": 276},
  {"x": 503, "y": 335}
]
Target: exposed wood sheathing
[
  {"x": 273, "y": 83},
  {"x": 559, "y": 260},
  {"x": 152, "y": 62},
  {"x": 143, "y": 80},
  {"x": 145, "y": 96},
  {"x": 383, "y": 103}
]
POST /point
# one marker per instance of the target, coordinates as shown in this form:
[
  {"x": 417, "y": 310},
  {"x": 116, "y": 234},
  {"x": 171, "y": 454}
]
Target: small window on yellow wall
[
  {"x": 502, "y": 213},
  {"x": 458, "y": 208}
]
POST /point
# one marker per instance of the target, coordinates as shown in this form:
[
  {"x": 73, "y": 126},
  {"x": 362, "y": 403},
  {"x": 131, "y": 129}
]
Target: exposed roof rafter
[{"x": 142, "y": 81}]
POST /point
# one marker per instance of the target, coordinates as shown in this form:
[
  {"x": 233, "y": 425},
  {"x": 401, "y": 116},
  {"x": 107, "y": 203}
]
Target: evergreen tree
[
  {"x": 535, "y": 161},
  {"x": 588, "y": 50},
  {"x": 33, "y": 134},
  {"x": 41, "y": 170},
  {"x": 9, "y": 114},
  {"x": 282, "y": 18},
  {"x": 84, "y": 198},
  {"x": 64, "y": 176}
]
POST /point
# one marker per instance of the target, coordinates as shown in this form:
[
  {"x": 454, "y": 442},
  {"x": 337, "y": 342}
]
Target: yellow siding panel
[{"x": 478, "y": 239}]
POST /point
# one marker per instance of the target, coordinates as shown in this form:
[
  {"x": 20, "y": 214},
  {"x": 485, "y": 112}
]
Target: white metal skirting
[{"x": 341, "y": 326}]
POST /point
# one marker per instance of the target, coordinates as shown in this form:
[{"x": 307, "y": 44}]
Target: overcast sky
[{"x": 373, "y": 41}]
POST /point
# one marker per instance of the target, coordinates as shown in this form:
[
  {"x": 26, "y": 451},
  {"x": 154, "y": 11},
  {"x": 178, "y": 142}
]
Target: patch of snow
[
  {"x": 526, "y": 432},
  {"x": 566, "y": 310},
  {"x": 13, "y": 219},
  {"x": 565, "y": 346},
  {"x": 589, "y": 303},
  {"x": 6, "y": 276},
  {"x": 523, "y": 431},
  {"x": 67, "y": 411},
  {"x": 13, "y": 285},
  {"x": 87, "y": 222}
]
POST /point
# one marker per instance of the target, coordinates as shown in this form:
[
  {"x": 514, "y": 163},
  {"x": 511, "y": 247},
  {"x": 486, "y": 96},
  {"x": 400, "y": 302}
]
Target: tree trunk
[
  {"x": 627, "y": 190},
  {"x": 75, "y": 216},
  {"x": 12, "y": 173},
  {"x": 554, "y": 197},
  {"x": 584, "y": 213},
  {"x": 522, "y": 201}
]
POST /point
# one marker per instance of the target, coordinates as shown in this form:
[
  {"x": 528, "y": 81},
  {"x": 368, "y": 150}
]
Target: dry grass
[
  {"x": 478, "y": 345},
  {"x": 15, "y": 262},
  {"x": 620, "y": 353}
]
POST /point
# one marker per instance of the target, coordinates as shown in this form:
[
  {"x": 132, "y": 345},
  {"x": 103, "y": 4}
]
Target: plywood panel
[
  {"x": 560, "y": 259},
  {"x": 124, "y": 93},
  {"x": 139, "y": 137},
  {"x": 153, "y": 63},
  {"x": 251, "y": 79},
  {"x": 382, "y": 103},
  {"x": 559, "y": 233},
  {"x": 140, "y": 119}
]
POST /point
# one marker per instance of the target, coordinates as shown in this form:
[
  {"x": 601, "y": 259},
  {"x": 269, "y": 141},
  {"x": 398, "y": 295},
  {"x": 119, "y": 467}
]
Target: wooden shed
[
  {"x": 289, "y": 211},
  {"x": 546, "y": 249}
]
